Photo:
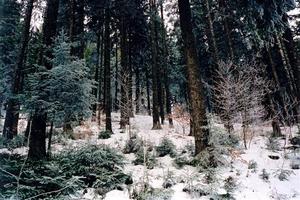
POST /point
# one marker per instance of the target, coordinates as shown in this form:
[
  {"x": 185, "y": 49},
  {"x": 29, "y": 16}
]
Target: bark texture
[{"x": 198, "y": 113}]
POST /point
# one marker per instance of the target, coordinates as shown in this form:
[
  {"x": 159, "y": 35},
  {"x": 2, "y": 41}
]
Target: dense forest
[{"x": 149, "y": 99}]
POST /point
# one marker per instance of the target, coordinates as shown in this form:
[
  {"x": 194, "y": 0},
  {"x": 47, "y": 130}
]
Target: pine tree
[
  {"x": 12, "y": 112},
  {"x": 37, "y": 144},
  {"x": 107, "y": 70},
  {"x": 198, "y": 113},
  {"x": 9, "y": 41},
  {"x": 155, "y": 66}
]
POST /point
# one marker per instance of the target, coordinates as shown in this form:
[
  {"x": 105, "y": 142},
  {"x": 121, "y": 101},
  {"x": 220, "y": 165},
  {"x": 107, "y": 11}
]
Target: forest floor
[{"x": 256, "y": 175}]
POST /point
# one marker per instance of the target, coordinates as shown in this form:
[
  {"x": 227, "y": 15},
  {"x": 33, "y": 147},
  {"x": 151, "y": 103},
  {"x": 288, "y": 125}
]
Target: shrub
[
  {"x": 60, "y": 139},
  {"x": 230, "y": 185},
  {"x": 166, "y": 147},
  {"x": 295, "y": 163},
  {"x": 104, "y": 135},
  {"x": 264, "y": 175},
  {"x": 169, "y": 180},
  {"x": 149, "y": 160},
  {"x": 37, "y": 178},
  {"x": 273, "y": 144},
  {"x": 133, "y": 145},
  {"x": 189, "y": 148},
  {"x": 159, "y": 194},
  {"x": 100, "y": 163},
  {"x": 220, "y": 143},
  {"x": 210, "y": 176},
  {"x": 209, "y": 158},
  {"x": 220, "y": 138},
  {"x": 67, "y": 172},
  {"x": 195, "y": 191},
  {"x": 181, "y": 161},
  {"x": 252, "y": 165},
  {"x": 154, "y": 194},
  {"x": 283, "y": 174},
  {"x": 16, "y": 142}
]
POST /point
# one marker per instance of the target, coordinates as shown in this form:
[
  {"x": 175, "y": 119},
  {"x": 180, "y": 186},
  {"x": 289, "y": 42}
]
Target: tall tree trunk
[
  {"x": 198, "y": 113},
  {"x": 286, "y": 64},
  {"x": 148, "y": 92},
  {"x": 50, "y": 140},
  {"x": 100, "y": 85},
  {"x": 155, "y": 100},
  {"x": 116, "y": 102},
  {"x": 227, "y": 28},
  {"x": 37, "y": 144},
  {"x": 37, "y": 141},
  {"x": 1, "y": 104},
  {"x": 160, "y": 87},
  {"x": 124, "y": 104},
  {"x": 10, "y": 128},
  {"x": 212, "y": 35},
  {"x": 166, "y": 68},
  {"x": 213, "y": 67},
  {"x": 107, "y": 71},
  {"x": 77, "y": 27},
  {"x": 137, "y": 88},
  {"x": 291, "y": 53},
  {"x": 72, "y": 5},
  {"x": 96, "y": 78},
  {"x": 290, "y": 47},
  {"x": 130, "y": 75},
  {"x": 275, "y": 120}
]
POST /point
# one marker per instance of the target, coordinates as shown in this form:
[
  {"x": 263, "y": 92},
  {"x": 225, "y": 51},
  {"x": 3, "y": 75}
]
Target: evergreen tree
[
  {"x": 198, "y": 113},
  {"x": 12, "y": 112},
  {"x": 66, "y": 93},
  {"x": 37, "y": 144}
]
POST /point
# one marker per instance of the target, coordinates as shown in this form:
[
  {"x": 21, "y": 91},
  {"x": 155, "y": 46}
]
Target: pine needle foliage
[
  {"x": 68, "y": 172},
  {"x": 65, "y": 91},
  {"x": 166, "y": 147}
]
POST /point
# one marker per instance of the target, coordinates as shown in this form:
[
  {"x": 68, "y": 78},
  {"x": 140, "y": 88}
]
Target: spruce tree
[{"x": 198, "y": 112}]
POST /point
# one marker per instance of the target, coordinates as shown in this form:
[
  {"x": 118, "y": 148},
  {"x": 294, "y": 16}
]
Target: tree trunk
[
  {"x": 28, "y": 128},
  {"x": 198, "y": 113},
  {"x": 148, "y": 92},
  {"x": 291, "y": 53},
  {"x": 37, "y": 141},
  {"x": 116, "y": 102},
  {"x": 100, "y": 86},
  {"x": 124, "y": 104},
  {"x": 77, "y": 27},
  {"x": 1, "y": 104},
  {"x": 212, "y": 35},
  {"x": 10, "y": 128},
  {"x": 290, "y": 47},
  {"x": 286, "y": 64},
  {"x": 37, "y": 144},
  {"x": 137, "y": 90},
  {"x": 166, "y": 68},
  {"x": 50, "y": 140},
  {"x": 130, "y": 102},
  {"x": 107, "y": 71},
  {"x": 155, "y": 100},
  {"x": 227, "y": 27},
  {"x": 275, "y": 120},
  {"x": 160, "y": 88},
  {"x": 96, "y": 78}
]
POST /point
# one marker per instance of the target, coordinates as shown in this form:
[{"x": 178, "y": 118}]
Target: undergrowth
[
  {"x": 16, "y": 142},
  {"x": 64, "y": 174}
]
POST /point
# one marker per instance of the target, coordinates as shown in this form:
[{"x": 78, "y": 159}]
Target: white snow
[{"x": 250, "y": 185}]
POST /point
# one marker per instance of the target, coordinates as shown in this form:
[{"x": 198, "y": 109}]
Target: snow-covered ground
[{"x": 250, "y": 184}]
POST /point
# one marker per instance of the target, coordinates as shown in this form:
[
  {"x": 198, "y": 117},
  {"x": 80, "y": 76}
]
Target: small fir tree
[{"x": 66, "y": 92}]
